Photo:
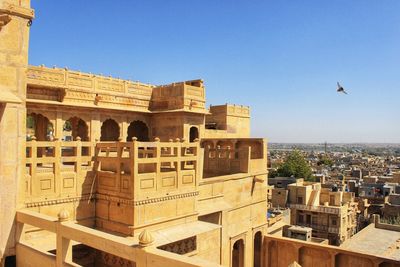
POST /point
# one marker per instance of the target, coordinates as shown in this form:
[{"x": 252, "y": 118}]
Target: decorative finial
[
  {"x": 145, "y": 238},
  {"x": 196, "y": 140},
  {"x": 120, "y": 139},
  {"x": 33, "y": 138},
  {"x": 177, "y": 140},
  {"x": 134, "y": 139},
  {"x": 183, "y": 140},
  {"x": 63, "y": 215},
  {"x": 170, "y": 140},
  {"x": 78, "y": 138},
  {"x": 156, "y": 139}
]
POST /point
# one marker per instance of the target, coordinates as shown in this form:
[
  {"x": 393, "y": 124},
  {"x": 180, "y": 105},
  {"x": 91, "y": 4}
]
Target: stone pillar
[
  {"x": 124, "y": 131},
  {"x": 15, "y": 17},
  {"x": 64, "y": 246},
  {"x": 59, "y": 127},
  {"x": 95, "y": 127}
]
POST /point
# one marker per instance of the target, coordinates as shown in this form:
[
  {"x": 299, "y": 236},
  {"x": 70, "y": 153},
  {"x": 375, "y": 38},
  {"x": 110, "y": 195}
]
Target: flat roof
[{"x": 379, "y": 242}]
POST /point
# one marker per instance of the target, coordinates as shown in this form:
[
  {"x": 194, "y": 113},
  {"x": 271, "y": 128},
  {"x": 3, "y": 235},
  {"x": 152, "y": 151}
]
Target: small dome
[
  {"x": 63, "y": 215},
  {"x": 145, "y": 238}
]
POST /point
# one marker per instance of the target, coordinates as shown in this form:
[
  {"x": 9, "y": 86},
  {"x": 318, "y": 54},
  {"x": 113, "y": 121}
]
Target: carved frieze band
[
  {"x": 109, "y": 198},
  {"x": 57, "y": 201},
  {"x": 145, "y": 201}
]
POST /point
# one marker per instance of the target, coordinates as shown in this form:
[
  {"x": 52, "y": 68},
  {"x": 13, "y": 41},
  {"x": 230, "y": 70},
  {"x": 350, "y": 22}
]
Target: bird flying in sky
[{"x": 340, "y": 89}]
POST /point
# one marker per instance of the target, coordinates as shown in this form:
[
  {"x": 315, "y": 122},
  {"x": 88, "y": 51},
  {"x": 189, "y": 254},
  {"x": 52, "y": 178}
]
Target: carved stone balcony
[{"x": 322, "y": 209}]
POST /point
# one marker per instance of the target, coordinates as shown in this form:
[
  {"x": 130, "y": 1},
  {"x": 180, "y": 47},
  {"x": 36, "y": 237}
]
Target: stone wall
[
  {"x": 281, "y": 252},
  {"x": 14, "y": 38}
]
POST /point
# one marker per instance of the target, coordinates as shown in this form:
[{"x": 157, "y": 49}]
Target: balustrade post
[
  {"x": 178, "y": 159},
  {"x": 171, "y": 152},
  {"x": 119, "y": 156},
  {"x": 33, "y": 160},
  {"x": 134, "y": 155},
  {"x": 198, "y": 165},
  {"x": 95, "y": 151},
  {"x": 185, "y": 151},
  {"x": 218, "y": 156},
  {"x": 158, "y": 159},
  {"x": 183, "y": 141},
  {"x": 207, "y": 154},
  {"x": 78, "y": 155},
  {"x": 64, "y": 246},
  {"x": 57, "y": 165}
]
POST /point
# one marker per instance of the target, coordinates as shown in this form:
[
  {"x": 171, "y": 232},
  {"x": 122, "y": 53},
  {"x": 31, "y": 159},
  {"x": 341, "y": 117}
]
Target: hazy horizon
[
  {"x": 282, "y": 59},
  {"x": 333, "y": 143}
]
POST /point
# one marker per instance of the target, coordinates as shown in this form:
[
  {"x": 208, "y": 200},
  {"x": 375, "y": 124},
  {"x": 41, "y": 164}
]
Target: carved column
[{"x": 59, "y": 127}]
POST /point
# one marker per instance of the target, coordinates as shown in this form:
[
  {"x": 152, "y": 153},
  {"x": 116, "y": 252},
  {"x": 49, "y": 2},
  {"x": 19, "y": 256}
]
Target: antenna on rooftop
[{"x": 326, "y": 146}]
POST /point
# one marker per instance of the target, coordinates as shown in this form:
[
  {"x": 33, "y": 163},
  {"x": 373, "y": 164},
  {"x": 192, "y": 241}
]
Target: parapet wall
[
  {"x": 385, "y": 226},
  {"x": 60, "y": 85},
  {"x": 281, "y": 252}
]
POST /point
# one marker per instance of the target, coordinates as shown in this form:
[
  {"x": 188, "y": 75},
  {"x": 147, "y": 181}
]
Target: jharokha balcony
[
  {"x": 134, "y": 170},
  {"x": 114, "y": 190}
]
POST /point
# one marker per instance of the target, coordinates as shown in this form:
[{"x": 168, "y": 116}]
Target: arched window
[
  {"x": 193, "y": 133},
  {"x": 257, "y": 249},
  {"x": 74, "y": 127},
  {"x": 109, "y": 130},
  {"x": 39, "y": 126},
  {"x": 238, "y": 253},
  {"x": 139, "y": 130}
]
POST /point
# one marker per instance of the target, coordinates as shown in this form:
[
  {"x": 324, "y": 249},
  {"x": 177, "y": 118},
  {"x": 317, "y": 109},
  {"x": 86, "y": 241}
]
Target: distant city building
[
  {"x": 283, "y": 182},
  {"x": 331, "y": 215}
]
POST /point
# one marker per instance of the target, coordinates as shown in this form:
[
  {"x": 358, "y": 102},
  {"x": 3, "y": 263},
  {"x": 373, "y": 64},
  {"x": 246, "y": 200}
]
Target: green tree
[
  {"x": 67, "y": 126},
  {"x": 272, "y": 173},
  {"x": 295, "y": 165},
  {"x": 326, "y": 161},
  {"x": 30, "y": 122}
]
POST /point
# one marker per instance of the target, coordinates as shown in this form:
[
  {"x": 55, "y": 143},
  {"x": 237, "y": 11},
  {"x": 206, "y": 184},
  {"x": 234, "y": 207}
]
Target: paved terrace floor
[{"x": 371, "y": 240}]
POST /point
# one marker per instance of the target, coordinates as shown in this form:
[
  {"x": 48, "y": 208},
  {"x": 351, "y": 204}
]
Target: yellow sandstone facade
[{"x": 98, "y": 171}]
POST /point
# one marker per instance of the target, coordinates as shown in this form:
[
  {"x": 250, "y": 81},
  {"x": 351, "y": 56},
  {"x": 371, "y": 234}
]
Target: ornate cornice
[
  {"x": 98, "y": 196},
  {"x": 161, "y": 199},
  {"x": 115, "y": 199},
  {"x": 57, "y": 201},
  {"x": 145, "y": 201}
]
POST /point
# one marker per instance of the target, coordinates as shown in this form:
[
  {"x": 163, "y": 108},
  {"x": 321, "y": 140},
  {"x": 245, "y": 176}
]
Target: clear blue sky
[{"x": 282, "y": 58}]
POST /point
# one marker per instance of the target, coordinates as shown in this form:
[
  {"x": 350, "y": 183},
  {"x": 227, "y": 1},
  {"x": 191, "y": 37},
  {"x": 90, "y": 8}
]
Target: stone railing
[
  {"x": 128, "y": 169},
  {"x": 178, "y": 96},
  {"x": 224, "y": 161},
  {"x": 238, "y": 110},
  {"x": 319, "y": 227},
  {"x": 234, "y": 155},
  {"x": 64, "y": 78},
  {"x": 54, "y": 85},
  {"x": 282, "y": 252},
  {"x": 86, "y": 89},
  {"x": 125, "y": 250},
  {"x": 58, "y": 168},
  {"x": 322, "y": 209}
]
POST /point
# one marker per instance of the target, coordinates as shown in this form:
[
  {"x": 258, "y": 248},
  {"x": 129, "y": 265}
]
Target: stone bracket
[
  {"x": 4, "y": 20},
  {"x": 9, "y": 10}
]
